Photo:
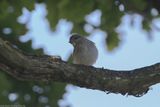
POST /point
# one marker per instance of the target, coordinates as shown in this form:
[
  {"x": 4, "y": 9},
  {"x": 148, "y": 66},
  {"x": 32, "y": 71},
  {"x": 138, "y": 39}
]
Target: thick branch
[{"x": 46, "y": 68}]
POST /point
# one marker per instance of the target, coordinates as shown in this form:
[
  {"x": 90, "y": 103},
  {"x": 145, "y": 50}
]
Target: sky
[{"x": 135, "y": 50}]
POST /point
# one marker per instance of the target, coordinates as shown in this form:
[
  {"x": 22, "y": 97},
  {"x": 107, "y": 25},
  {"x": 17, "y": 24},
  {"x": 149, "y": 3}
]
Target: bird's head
[{"x": 75, "y": 38}]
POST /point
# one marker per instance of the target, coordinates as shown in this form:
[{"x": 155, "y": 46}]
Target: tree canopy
[{"x": 75, "y": 11}]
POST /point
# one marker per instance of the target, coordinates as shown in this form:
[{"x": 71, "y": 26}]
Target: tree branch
[{"x": 46, "y": 68}]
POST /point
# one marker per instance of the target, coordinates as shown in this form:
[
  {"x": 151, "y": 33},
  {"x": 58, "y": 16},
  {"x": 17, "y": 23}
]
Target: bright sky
[{"x": 135, "y": 51}]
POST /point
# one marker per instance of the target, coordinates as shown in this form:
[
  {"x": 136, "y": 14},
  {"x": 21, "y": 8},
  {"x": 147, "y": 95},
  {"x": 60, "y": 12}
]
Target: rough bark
[{"x": 48, "y": 68}]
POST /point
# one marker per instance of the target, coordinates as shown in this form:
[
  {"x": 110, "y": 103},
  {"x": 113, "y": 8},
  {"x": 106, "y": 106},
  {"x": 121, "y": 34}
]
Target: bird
[{"x": 85, "y": 51}]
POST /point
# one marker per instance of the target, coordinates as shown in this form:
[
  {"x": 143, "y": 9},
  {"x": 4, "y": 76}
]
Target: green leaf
[
  {"x": 136, "y": 5},
  {"x": 79, "y": 28},
  {"x": 29, "y": 4},
  {"x": 146, "y": 25},
  {"x": 112, "y": 40},
  {"x": 53, "y": 12},
  {"x": 75, "y": 10}
]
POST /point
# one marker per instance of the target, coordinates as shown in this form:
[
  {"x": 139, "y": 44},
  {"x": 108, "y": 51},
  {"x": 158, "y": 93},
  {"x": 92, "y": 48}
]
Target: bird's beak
[{"x": 70, "y": 41}]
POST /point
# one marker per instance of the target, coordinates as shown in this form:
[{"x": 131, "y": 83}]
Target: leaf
[
  {"x": 53, "y": 12},
  {"x": 112, "y": 40},
  {"x": 146, "y": 25},
  {"x": 136, "y": 5},
  {"x": 79, "y": 28},
  {"x": 75, "y": 10},
  {"x": 29, "y": 4}
]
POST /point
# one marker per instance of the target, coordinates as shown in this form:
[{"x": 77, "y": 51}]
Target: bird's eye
[{"x": 76, "y": 37}]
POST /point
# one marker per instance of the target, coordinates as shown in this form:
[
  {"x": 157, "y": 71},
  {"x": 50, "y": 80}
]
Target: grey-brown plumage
[{"x": 85, "y": 51}]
